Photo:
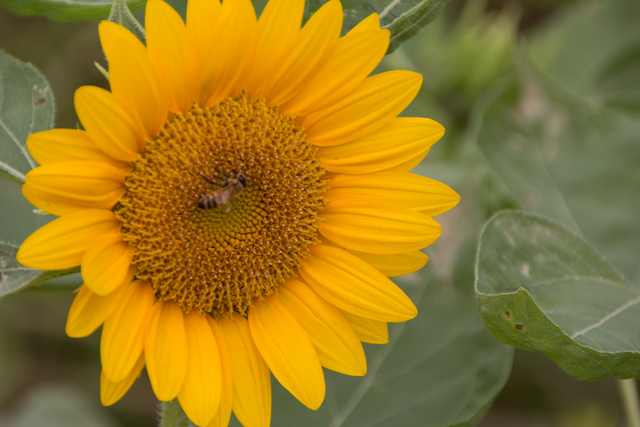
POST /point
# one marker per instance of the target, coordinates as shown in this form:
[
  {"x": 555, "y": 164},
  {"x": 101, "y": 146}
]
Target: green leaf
[
  {"x": 539, "y": 286},
  {"x": 65, "y": 10},
  {"x": 442, "y": 368},
  {"x": 404, "y": 18},
  {"x": 14, "y": 276},
  {"x": 26, "y": 106}
]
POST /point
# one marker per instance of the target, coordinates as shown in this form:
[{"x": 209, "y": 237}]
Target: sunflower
[{"x": 237, "y": 202}]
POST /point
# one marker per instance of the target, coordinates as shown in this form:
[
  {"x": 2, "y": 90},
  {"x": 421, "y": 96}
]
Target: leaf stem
[
  {"x": 629, "y": 394},
  {"x": 172, "y": 415},
  {"x": 407, "y": 25}
]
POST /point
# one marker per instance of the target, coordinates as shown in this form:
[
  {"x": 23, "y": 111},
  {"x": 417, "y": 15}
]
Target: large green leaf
[
  {"x": 440, "y": 369},
  {"x": 66, "y": 9},
  {"x": 14, "y": 276},
  {"x": 539, "y": 286},
  {"x": 26, "y": 106},
  {"x": 404, "y": 18}
]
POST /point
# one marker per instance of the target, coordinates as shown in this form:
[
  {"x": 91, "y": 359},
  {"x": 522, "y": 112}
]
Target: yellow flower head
[{"x": 236, "y": 203}]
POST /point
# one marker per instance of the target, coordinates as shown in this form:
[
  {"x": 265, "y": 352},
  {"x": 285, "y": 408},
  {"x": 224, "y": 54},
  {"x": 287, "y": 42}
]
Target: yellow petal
[
  {"x": 391, "y": 265},
  {"x": 288, "y": 351},
  {"x": 202, "y": 387},
  {"x": 111, "y": 392},
  {"x": 376, "y": 101},
  {"x": 277, "y": 28},
  {"x": 395, "y": 264},
  {"x": 64, "y": 187},
  {"x": 251, "y": 380},
  {"x": 165, "y": 349},
  {"x": 352, "y": 285},
  {"x": 310, "y": 47},
  {"x": 241, "y": 38},
  {"x": 221, "y": 419},
  {"x": 376, "y": 227},
  {"x": 109, "y": 33},
  {"x": 368, "y": 330},
  {"x": 202, "y": 20},
  {"x": 63, "y": 145},
  {"x": 354, "y": 57},
  {"x": 62, "y": 242},
  {"x": 123, "y": 332},
  {"x": 167, "y": 47},
  {"x": 410, "y": 164},
  {"x": 371, "y": 22},
  {"x": 401, "y": 140},
  {"x": 107, "y": 264},
  {"x": 333, "y": 338},
  {"x": 423, "y": 194},
  {"x": 108, "y": 122},
  {"x": 229, "y": 33},
  {"x": 88, "y": 311},
  {"x": 133, "y": 78}
]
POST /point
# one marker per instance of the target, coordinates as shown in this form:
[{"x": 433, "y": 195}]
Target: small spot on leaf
[
  {"x": 507, "y": 314},
  {"x": 519, "y": 326},
  {"x": 40, "y": 96}
]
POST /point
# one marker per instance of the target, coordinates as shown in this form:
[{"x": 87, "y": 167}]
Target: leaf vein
[
  {"x": 606, "y": 318},
  {"x": 388, "y": 9}
]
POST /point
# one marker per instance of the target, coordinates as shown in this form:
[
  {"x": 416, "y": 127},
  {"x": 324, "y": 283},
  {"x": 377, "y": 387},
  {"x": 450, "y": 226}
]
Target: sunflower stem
[
  {"x": 172, "y": 415},
  {"x": 630, "y": 402},
  {"x": 407, "y": 25},
  {"x": 121, "y": 14}
]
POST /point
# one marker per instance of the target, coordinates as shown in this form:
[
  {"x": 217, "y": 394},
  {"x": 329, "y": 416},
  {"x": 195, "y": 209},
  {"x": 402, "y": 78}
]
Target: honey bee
[{"x": 233, "y": 185}]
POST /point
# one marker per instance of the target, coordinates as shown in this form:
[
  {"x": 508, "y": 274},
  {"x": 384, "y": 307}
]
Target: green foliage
[
  {"x": 539, "y": 286},
  {"x": 548, "y": 124},
  {"x": 65, "y": 10},
  {"x": 559, "y": 147},
  {"x": 26, "y": 106}
]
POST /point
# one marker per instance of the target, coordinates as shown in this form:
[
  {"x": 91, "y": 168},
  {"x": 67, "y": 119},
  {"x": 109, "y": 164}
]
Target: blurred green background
[{"x": 541, "y": 101}]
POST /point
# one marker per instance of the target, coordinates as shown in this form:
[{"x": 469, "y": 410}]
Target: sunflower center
[{"x": 221, "y": 206}]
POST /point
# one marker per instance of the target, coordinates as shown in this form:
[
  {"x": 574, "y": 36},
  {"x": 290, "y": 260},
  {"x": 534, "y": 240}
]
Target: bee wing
[{"x": 224, "y": 194}]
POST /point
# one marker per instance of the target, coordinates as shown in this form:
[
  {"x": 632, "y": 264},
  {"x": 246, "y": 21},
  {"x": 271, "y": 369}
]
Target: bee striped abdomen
[
  {"x": 207, "y": 202},
  {"x": 232, "y": 186}
]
